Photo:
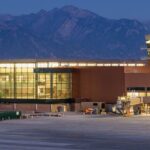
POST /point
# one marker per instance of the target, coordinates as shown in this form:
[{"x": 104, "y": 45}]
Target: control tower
[{"x": 148, "y": 44}]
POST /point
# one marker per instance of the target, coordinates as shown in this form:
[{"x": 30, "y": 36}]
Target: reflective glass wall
[
  {"x": 24, "y": 85},
  {"x": 18, "y": 81},
  {"x": 138, "y": 91},
  {"x": 7, "y": 81},
  {"x": 54, "y": 85}
]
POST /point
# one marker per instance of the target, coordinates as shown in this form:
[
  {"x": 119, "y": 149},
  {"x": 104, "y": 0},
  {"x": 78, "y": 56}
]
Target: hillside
[{"x": 70, "y": 33}]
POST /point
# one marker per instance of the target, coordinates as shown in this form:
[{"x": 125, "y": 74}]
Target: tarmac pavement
[{"x": 76, "y": 132}]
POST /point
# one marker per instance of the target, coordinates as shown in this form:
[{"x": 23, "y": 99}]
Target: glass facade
[
  {"x": 138, "y": 91},
  {"x": 19, "y": 81}
]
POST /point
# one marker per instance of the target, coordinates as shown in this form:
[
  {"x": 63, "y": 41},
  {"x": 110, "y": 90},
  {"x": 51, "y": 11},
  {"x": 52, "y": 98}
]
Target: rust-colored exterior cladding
[
  {"x": 103, "y": 84},
  {"x": 107, "y": 83},
  {"x": 25, "y": 107},
  {"x": 137, "y": 76}
]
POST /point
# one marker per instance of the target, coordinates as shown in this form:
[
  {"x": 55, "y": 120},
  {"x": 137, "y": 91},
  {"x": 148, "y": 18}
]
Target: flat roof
[
  {"x": 69, "y": 60},
  {"x": 70, "y": 63}
]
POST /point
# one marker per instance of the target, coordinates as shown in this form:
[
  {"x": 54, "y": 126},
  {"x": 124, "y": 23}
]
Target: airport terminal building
[{"x": 45, "y": 84}]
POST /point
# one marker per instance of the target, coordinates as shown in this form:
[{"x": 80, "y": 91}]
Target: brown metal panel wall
[
  {"x": 137, "y": 76},
  {"x": 6, "y": 107},
  {"x": 76, "y": 84},
  {"x": 26, "y": 107},
  {"x": 100, "y": 84},
  {"x": 137, "y": 80},
  {"x": 43, "y": 107},
  {"x": 144, "y": 69}
]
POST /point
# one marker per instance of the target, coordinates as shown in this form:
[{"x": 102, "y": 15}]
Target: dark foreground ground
[{"x": 76, "y": 132}]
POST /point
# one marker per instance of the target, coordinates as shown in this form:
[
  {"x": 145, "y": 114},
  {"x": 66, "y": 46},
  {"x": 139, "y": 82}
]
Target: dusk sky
[{"x": 134, "y": 9}]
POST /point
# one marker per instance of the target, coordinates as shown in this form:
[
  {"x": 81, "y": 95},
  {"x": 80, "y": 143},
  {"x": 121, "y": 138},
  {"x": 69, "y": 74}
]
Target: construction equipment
[
  {"x": 128, "y": 106},
  {"x": 92, "y": 107}
]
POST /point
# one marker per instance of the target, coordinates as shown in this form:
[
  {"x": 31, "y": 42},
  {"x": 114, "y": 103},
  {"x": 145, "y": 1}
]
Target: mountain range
[{"x": 71, "y": 33}]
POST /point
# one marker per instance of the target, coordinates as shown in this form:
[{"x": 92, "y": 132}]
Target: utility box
[{"x": 10, "y": 115}]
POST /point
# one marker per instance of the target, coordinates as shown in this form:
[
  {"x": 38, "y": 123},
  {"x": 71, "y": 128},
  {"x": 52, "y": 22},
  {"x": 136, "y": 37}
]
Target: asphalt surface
[{"x": 76, "y": 132}]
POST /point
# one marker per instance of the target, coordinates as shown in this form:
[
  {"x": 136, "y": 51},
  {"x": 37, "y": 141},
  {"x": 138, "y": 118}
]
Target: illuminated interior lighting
[
  {"x": 72, "y": 64},
  {"x": 91, "y": 64},
  {"x": 53, "y": 64},
  {"x": 44, "y": 65},
  {"x": 115, "y": 65},
  {"x": 140, "y": 65},
  {"x": 31, "y": 65},
  {"x": 7, "y": 65},
  {"x": 130, "y": 65},
  {"x": 64, "y": 64},
  {"x": 82, "y": 64},
  {"x": 100, "y": 65},
  {"x": 148, "y": 42},
  {"x": 25, "y": 65},
  {"x": 123, "y": 65},
  {"x": 67, "y": 64},
  {"x": 107, "y": 65}
]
